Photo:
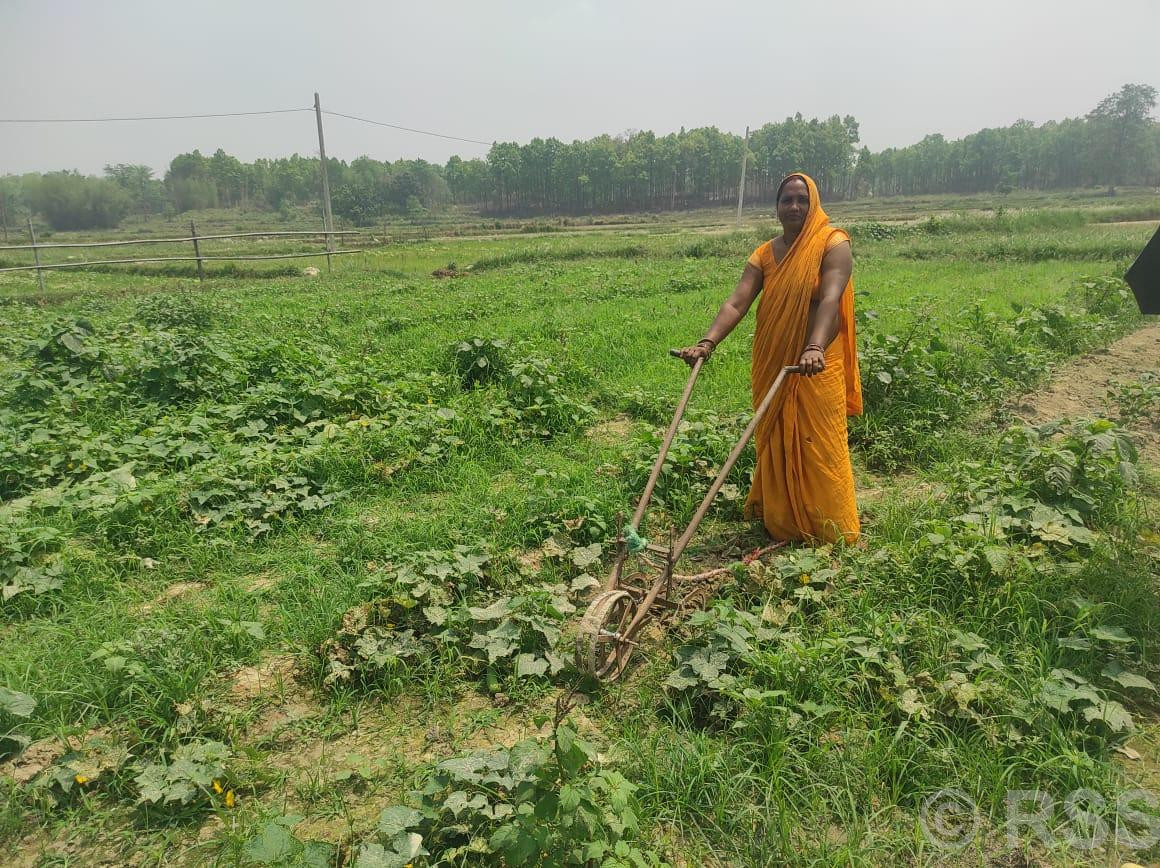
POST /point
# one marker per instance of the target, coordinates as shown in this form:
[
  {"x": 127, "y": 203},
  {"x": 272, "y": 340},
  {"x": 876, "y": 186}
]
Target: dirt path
[{"x": 1081, "y": 387}]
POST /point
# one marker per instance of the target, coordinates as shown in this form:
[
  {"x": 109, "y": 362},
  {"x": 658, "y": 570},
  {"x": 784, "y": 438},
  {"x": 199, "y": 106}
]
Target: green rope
[{"x": 636, "y": 543}]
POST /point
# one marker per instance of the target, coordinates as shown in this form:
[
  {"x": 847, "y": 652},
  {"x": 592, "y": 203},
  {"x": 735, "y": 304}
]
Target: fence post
[
  {"x": 35, "y": 254},
  {"x": 197, "y": 252}
]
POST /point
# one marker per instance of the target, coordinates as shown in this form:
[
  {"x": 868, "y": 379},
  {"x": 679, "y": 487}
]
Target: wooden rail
[
  {"x": 128, "y": 241},
  {"x": 45, "y": 267},
  {"x": 193, "y": 238}
]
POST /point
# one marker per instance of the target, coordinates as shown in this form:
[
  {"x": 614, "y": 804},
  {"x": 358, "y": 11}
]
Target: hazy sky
[{"x": 515, "y": 69}]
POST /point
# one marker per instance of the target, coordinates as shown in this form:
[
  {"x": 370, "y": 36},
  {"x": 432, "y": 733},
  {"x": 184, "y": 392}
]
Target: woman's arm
[
  {"x": 837, "y": 266},
  {"x": 731, "y": 313}
]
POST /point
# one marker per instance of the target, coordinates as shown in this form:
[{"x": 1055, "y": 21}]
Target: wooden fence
[{"x": 194, "y": 239}]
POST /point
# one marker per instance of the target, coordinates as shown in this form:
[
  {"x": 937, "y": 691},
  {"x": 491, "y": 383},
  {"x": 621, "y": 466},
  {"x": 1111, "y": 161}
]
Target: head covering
[
  {"x": 803, "y": 484},
  {"x": 783, "y": 313}
]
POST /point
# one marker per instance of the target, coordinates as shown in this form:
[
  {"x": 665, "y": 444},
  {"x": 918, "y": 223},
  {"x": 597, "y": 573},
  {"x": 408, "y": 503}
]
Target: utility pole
[
  {"x": 741, "y": 188},
  {"x": 327, "y": 217}
]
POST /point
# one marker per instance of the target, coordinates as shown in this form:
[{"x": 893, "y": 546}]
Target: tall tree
[
  {"x": 1121, "y": 123},
  {"x": 146, "y": 193}
]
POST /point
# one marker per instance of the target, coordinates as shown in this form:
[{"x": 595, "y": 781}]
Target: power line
[
  {"x": 148, "y": 118},
  {"x": 236, "y": 115},
  {"x": 407, "y": 129}
]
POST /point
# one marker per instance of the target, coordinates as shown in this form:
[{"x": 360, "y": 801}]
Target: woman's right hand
[{"x": 689, "y": 355}]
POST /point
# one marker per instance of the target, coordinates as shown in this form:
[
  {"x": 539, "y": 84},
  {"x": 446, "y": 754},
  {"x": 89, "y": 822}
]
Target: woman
[{"x": 803, "y": 485}]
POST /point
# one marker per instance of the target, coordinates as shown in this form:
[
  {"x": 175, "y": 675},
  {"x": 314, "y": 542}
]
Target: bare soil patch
[
  {"x": 34, "y": 759},
  {"x": 530, "y": 561},
  {"x": 611, "y": 431},
  {"x": 273, "y": 675},
  {"x": 173, "y": 592},
  {"x": 1080, "y": 388},
  {"x": 259, "y": 583},
  {"x": 40, "y": 755}
]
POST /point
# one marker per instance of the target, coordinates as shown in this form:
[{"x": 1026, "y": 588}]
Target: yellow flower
[
  {"x": 82, "y": 780},
  {"x": 217, "y": 787},
  {"x": 229, "y": 798},
  {"x": 804, "y": 578}
]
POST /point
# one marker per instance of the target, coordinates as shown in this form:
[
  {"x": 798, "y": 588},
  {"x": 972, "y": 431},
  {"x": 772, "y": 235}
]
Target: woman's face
[{"x": 793, "y": 205}]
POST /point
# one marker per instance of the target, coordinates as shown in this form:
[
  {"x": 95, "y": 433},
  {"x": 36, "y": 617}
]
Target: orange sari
[{"x": 803, "y": 485}]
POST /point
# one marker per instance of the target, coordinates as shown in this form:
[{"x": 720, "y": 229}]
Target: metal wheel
[{"x": 602, "y": 651}]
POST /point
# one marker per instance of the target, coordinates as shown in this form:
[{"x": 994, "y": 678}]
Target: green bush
[
  {"x": 480, "y": 360},
  {"x": 69, "y": 200},
  {"x": 541, "y": 802}
]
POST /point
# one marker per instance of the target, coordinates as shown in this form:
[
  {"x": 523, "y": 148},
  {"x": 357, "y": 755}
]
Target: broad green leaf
[
  {"x": 998, "y": 558},
  {"x": 678, "y": 680},
  {"x": 471, "y": 563},
  {"x": 273, "y": 844},
  {"x": 407, "y": 846},
  {"x": 497, "y": 647},
  {"x": 15, "y": 703},
  {"x": 456, "y": 802},
  {"x": 375, "y": 855},
  {"x": 1059, "y": 694},
  {"x": 555, "y": 662},
  {"x": 969, "y": 641},
  {"x": 396, "y": 819},
  {"x": 569, "y": 799},
  {"x": 910, "y": 703},
  {"x": 530, "y": 664},
  {"x": 464, "y": 767},
  {"x": 812, "y": 708},
  {"x": 1110, "y": 634},
  {"x": 499, "y": 609},
  {"x": 315, "y": 854},
  {"x": 526, "y": 757},
  {"x": 583, "y": 582},
  {"x": 1113, "y": 714},
  {"x": 74, "y": 344},
  {"x": 553, "y": 548},
  {"x": 583, "y": 557},
  {"x": 498, "y": 812},
  {"x": 506, "y": 838},
  {"x": 1125, "y": 678}
]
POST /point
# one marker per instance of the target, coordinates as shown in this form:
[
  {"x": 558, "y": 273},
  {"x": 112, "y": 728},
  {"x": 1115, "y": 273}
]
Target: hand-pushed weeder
[{"x": 605, "y": 639}]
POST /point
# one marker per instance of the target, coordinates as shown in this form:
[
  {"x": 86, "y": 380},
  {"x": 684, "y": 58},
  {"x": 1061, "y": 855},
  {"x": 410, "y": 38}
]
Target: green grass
[{"x": 353, "y": 376}]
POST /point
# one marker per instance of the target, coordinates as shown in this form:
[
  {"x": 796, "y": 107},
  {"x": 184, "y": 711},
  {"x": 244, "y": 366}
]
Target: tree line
[{"x": 1116, "y": 143}]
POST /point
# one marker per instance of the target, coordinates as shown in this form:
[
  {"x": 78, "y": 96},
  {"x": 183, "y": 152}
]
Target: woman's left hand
[{"x": 812, "y": 362}]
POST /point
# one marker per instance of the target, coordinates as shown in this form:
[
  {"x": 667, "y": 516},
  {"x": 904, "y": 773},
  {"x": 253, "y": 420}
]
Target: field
[{"x": 289, "y": 565}]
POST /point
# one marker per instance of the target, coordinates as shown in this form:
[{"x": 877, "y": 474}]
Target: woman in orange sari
[{"x": 803, "y": 485}]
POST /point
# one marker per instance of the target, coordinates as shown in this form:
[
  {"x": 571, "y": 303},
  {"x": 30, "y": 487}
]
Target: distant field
[{"x": 272, "y": 549}]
